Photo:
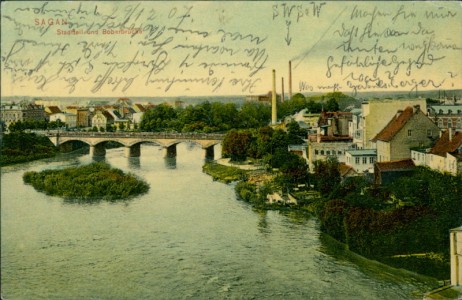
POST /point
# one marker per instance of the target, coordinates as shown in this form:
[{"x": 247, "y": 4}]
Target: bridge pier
[
  {"x": 209, "y": 152},
  {"x": 97, "y": 150},
  {"x": 170, "y": 151},
  {"x": 133, "y": 151}
]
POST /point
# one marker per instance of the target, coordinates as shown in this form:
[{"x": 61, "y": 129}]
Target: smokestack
[
  {"x": 273, "y": 101},
  {"x": 282, "y": 89},
  {"x": 290, "y": 79}
]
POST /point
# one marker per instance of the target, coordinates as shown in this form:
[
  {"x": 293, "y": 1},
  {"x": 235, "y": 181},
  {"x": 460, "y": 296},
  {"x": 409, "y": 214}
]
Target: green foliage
[
  {"x": 374, "y": 226},
  {"x": 205, "y": 117},
  {"x": 224, "y": 173},
  {"x": 236, "y": 144},
  {"x": 332, "y": 219},
  {"x": 90, "y": 183},
  {"x": 332, "y": 105},
  {"x": 327, "y": 175},
  {"x": 20, "y": 126},
  {"x": 247, "y": 191},
  {"x": 20, "y": 147}
]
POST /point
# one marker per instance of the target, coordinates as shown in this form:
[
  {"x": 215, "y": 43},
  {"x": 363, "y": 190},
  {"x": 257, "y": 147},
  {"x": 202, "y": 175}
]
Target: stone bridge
[{"x": 132, "y": 141}]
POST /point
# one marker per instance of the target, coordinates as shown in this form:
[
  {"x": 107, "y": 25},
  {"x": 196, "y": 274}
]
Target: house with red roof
[
  {"x": 409, "y": 128},
  {"x": 444, "y": 156},
  {"x": 386, "y": 172}
]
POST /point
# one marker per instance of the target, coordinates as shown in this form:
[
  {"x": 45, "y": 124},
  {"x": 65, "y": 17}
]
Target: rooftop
[
  {"x": 359, "y": 152},
  {"x": 444, "y": 145},
  {"x": 395, "y": 165},
  {"x": 395, "y": 124}
]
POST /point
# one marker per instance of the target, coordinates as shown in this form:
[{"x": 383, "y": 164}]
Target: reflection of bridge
[{"x": 132, "y": 141}]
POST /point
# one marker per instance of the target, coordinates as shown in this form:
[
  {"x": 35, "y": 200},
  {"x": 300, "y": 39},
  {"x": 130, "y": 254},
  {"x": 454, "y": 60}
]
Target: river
[{"x": 187, "y": 238}]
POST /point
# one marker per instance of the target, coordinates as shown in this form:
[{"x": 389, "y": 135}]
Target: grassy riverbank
[
  {"x": 90, "y": 183},
  {"x": 224, "y": 174},
  {"x": 404, "y": 225}
]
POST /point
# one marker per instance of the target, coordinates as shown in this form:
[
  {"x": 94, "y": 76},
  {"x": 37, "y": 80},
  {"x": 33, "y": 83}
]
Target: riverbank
[
  {"x": 349, "y": 223},
  {"x": 20, "y": 147}
]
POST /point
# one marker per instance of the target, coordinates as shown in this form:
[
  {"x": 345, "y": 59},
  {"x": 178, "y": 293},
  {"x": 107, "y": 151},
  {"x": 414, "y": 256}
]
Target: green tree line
[
  {"x": 394, "y": 223},
  {"x": 17, "y": 147}
]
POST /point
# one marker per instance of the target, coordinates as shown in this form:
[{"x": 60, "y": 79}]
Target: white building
[
  {"x": 444, "y": 156},
  {"x": 456, "y": 256},
  {"x": 361, "y": 160},
  {"x": 68, "y": 118}
]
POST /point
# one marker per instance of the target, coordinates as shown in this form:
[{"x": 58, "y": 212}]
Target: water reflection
[
  {"x": 134, "y": 163},
  {"x": 263, "y": 222},
  {"x": 170, "y": 162}
]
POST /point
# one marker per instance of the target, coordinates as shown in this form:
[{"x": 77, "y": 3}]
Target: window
[
  {"x": 364, "y": 160},
  {"x": 357, "y": 161},
  {"x": 322, "y": 152},
  {"x": 440, "y": 123},
  {"x": 459, "y": 123},
  {"x": 328, "y": 152},
  {"x": 339, "y": 152},
  {"x": 429, "y": 132},
  {"x": 316, "y": 152},
  {"x": 409, "y": 132},
  {"x": 449, "y": 123},
  {"x": 371, "y": 160}
]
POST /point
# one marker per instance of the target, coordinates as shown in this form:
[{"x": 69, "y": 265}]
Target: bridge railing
[{"x": 159, "y": 135}]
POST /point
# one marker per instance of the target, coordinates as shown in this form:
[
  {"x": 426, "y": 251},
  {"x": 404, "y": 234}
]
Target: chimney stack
[
  {"x": 282, "y": 89},
  {"x": 273, "y": 101},
  {"x": 290, "y": 79}
]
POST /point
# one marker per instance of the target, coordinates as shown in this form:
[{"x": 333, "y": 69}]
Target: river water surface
[{"x": 187, "y": 238}]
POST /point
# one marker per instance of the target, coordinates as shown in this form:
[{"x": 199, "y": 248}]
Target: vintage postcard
[{"x": 230, "y": 149}]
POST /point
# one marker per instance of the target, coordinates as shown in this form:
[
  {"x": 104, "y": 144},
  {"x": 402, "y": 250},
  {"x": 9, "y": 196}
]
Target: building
[
  {"x": 377, "y": 113},
  {"x": 409, "y": 128},
  {"x": 361, "y": 160},
  {"x": 69, "y": 119},
  {"x": 355, "y": 128},
  {"x": 335, "y": 123},
  {"x": 321, "y": 147},
  {"x": 83, "y": 117},
  {"x": 102, "y": 119},
  {"x": 456, "y": 256},
  {"x": 22, "y": 112},
  {"x": 386, "y": 172},
  {"x": 444, "y": 156},
  {"x": 446, "y": 116}
]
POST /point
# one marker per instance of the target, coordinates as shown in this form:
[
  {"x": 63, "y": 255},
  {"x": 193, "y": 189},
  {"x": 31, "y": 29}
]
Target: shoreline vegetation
[
  {"x": 87, "y": 184},
  {"x": 392, "y": 224},
  {"x": 20, "y": 147}
]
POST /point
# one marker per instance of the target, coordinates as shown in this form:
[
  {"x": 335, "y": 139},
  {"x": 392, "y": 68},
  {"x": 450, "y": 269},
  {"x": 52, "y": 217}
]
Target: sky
[{"x": 194, "y": 48}]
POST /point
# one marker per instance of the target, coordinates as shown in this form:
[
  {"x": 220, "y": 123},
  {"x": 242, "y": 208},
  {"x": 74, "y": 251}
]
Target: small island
[{"x": 89, "y": 183}]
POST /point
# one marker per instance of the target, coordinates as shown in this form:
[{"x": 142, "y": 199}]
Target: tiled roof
[
  {"x": 53, "y": 109},
  {"x": 345, "y": 170},
  {"x": 444, "y": 145},
  {"x": 395, "y": 125},
  {"x": 140, "y": 107},
  {"x": 395, "y": 165}
]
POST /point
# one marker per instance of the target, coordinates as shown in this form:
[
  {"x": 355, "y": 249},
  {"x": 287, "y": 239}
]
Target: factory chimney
[
  {"x": 273, "y": 101},
  {"x": 282, "y": 89},
  {"x": 290, "y": 79}
]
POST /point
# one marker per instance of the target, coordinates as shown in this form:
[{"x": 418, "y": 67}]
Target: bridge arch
[{"x": 132, "y": 141}]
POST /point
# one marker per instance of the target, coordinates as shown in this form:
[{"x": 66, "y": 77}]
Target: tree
[
  {"x": 236, "y": 144},
  {"x": 327, "y": 175},
  {"x": 332, "y": 105}
]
